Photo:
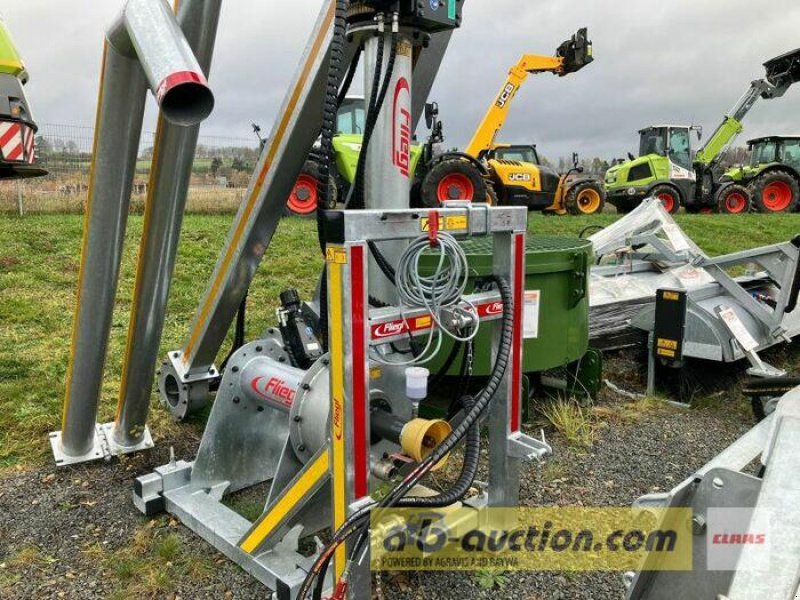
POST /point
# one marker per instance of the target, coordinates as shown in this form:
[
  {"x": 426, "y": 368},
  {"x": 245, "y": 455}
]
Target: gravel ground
[
  {"x": 75, "y": 534},
  {"x": 653, "y": 454}
]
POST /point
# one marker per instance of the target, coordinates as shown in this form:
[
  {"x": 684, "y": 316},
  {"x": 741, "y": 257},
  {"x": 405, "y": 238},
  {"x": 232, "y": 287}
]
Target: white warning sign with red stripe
[
  {"x": 29, "y": 139},
  {"x": 17, "y": 142},
  {"x": 11, "y": 143}
]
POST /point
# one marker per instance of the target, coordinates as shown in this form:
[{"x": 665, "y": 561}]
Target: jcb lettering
[{"x": 506, "y": 95}]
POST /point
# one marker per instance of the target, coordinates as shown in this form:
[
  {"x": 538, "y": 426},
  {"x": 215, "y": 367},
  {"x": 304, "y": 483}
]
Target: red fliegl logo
[
  {"x": 389, "y": 329},
  {"x": 401, "y": 144},
  {"x": 275, "y": 390}
]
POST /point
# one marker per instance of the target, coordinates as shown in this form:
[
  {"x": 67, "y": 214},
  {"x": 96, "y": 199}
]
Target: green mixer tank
[{"x": 558, "y": 269}]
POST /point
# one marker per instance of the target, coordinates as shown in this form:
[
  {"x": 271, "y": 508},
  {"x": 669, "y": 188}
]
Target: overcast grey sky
[{"x": 684, "y": 61}]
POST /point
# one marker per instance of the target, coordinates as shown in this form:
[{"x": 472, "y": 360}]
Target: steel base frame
[
  {"x": 103, "y": 448},
  {"x": 335, "y": 482}
]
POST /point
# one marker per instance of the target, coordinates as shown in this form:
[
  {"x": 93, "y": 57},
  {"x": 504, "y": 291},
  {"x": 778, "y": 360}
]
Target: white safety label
[
  {"x": 738, "y": 330},
  {"x": 533, "y": 300}
]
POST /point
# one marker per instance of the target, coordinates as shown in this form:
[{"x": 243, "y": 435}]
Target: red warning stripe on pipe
[
  {"x": 180, "y": 78},
  {"x": 11, "y": 141}
]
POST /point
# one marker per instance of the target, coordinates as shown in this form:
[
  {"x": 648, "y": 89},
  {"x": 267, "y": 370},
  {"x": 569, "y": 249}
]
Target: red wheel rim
[
  {"x": 455, "y": 187},
  {"x": 303, "y": 199},
  {"x": 735, "y": 203},
  {"x": 777, "y": 196},
  {"x": 668, "y": 200}
]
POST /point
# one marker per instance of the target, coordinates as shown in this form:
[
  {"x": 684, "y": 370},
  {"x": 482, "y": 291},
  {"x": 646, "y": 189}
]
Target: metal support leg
[
  {"x": 175, "y": 148},
  {"x": 349, "y": 437},
  {"x": 144, "y": 47},
  {"x": 651, "y": 366},
  {"x": 506, "y": 410}
]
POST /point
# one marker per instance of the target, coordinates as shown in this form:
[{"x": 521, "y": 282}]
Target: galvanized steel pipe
[
  {"x": 144, "y": 46},
  {"x": 149, "y": 30},
  {"x": 170, "y": 176}
]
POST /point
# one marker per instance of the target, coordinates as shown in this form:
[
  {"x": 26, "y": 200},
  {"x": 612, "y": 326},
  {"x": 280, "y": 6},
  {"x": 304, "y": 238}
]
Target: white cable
[{"x": 443, "y": 289}]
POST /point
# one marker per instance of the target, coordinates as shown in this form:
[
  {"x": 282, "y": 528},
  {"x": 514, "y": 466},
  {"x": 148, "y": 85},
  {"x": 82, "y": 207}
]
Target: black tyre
[
  {"x": 734, "y": 199},
  {"x": 669, "y": 197},
  {"x": 304, "y": 197},
  {"x": 775, "y": 192},
  {"x": 453, "y": 179},
  {"x": 625, "y": 205},
  {"x": 764, "y": 392},
  {"x": 491, "y": 195},
  {"x": 585, "y": 198}
]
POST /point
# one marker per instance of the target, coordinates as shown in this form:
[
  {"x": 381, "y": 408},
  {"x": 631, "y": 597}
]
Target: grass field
[{"x": 39, "y": 261}]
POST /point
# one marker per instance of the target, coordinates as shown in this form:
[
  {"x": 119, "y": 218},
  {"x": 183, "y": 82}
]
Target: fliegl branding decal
[
  {"x": 390, "y": 329},
  {"x": 506, "y": 95},
  {"x": 338, "y": 423},
  {"x": 274, "y": 390},
  {"x": 401, "y": 134},
  {"x": 491, "y": 310}
]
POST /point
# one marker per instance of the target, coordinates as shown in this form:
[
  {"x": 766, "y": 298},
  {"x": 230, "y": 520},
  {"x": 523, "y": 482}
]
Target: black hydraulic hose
[
  {"x": 462, "y": 485},
  {"x": 357, "y": 521},
  {"x": 351, "y": 73},
  {"x": 356, "y": 195},
  {"x": 331, "y": 102},
  {"x": 481, "y": 401},
  {"x": 328, "y": 131},
  {"x": 386, "y": 268},
  {"x": 377, "y": 100}
]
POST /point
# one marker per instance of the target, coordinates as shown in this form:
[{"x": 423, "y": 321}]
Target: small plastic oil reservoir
[{"x": 417, "y": 384}]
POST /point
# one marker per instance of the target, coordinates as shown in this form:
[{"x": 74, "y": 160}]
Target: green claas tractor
[
  {"x": 17, "y": 129},
  {"x": 347, "y": 148},
  {"x": 771, "y": 182},
  {"x": 669, "y": 169}
]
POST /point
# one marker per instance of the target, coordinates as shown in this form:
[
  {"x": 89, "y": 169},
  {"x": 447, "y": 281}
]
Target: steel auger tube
[
  {"x": 144, "y": 48},
  {"x": 170, "y": 176}
]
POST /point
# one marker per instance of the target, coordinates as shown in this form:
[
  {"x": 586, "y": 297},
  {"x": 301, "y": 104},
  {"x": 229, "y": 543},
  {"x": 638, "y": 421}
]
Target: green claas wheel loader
[{"x": 668, "y": 168}]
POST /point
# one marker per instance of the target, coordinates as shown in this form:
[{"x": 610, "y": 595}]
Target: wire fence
[{"x": 221, "y": 173}]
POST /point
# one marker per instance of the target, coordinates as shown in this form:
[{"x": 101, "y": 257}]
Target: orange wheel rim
[
  {"x": 777, "y": 196},
  {"x": 668, "y": 200},
  {"x": 304, "y": 196},
  {"x": 735, "y": 203},
  {"x": 455, "y": 187}
]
